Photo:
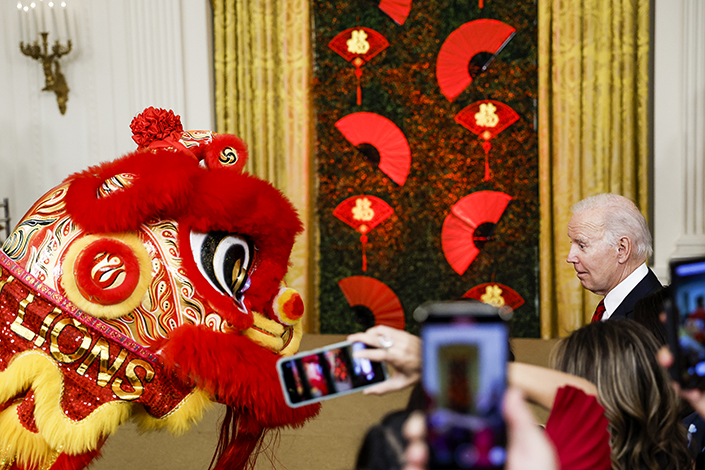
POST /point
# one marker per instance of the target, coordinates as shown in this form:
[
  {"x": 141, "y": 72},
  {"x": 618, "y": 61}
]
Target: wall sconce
[{"x": 33, "y": 25}]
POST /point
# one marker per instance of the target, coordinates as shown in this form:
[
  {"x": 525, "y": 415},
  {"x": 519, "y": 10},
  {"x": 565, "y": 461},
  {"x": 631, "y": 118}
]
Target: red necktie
[{"x": 599, "y": 311}]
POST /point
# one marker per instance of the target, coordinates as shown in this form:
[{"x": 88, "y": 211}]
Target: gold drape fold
[
  {"x": 262, "y": 58},
  {"x": 593, "y": 131}
]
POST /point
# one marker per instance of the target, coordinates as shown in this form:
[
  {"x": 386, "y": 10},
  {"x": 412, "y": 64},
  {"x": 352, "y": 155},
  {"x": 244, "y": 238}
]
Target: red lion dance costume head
[{"x": 147, "y": 287}]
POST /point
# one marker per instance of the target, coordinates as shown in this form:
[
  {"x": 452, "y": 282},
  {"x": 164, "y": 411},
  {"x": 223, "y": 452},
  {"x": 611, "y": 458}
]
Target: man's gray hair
[{"x": 621, "y": 217}]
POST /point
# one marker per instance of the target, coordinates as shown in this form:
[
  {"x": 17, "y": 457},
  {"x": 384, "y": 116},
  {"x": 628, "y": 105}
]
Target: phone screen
[
  {"x": 328, "y": 372},
  {"x": 464, "y": 377},
  {"x": 686, "y": 322}
]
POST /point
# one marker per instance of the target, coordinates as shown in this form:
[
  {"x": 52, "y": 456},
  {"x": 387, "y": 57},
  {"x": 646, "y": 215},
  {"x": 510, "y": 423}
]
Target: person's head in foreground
[{"x": 620, "y": 358}]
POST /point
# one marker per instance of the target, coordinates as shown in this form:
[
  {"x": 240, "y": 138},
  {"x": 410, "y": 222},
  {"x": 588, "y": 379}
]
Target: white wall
[
  {"x": 127, "y": 55},
  {"x": 679, "y": 131}
]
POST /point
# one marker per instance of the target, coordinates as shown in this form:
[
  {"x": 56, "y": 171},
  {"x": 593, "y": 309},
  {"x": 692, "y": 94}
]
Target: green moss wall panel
[{"x": 447, "y": 160}]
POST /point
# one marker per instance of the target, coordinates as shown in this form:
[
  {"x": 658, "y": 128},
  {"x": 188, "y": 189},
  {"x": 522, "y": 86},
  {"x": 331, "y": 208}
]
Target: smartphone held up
[
  {"x": 685, "y": 325},
  {"x": 465, "y": 351}
]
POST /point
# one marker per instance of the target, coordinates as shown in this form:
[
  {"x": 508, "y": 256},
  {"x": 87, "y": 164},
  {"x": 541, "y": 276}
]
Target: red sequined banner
[{"x": 98, "y": 364}]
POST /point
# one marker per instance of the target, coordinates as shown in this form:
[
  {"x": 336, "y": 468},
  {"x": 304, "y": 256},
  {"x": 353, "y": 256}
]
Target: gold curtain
[
  {"x": 593, "y": 131},
  {"x": 262, "y": 55}
]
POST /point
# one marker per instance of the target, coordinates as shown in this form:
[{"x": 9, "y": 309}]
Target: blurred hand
[
  {"x": 399, "y": 349},
  {"x": 695, "y": 397},
  {"x": 528, "y": 446}
]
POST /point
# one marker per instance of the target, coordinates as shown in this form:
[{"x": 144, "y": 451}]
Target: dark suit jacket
[{"x": 649, "y": 285}]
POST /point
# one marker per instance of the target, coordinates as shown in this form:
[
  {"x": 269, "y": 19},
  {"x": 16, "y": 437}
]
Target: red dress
[{"x": 578, "y": 428}]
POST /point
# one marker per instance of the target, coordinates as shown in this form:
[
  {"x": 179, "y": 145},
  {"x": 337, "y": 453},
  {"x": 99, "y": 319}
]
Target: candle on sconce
[
  {"x": 30, "y": 25},
  {"x": 54, "y": 23},
  {"x": 43, "y": 18},
  {"x": 19, "y": 16},
  {"x": 35, "y": 19},
  {"x": 66, "y": 21}
]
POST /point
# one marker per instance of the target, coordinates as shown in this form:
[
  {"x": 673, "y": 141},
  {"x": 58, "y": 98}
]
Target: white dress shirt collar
[{"x": 615, "y": 297}]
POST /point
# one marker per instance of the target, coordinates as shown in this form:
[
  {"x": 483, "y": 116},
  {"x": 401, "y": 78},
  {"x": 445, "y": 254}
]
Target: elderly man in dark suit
[{"x": 609, "y": 244}]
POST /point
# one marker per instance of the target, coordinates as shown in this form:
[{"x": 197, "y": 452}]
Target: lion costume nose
[
  {"x": 281, "y": 334},
  {"x": 288, "y": 306}
]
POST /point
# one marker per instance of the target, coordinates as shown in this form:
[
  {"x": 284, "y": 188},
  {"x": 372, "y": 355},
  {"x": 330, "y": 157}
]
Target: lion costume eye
[{"x": 224, "y": 259}]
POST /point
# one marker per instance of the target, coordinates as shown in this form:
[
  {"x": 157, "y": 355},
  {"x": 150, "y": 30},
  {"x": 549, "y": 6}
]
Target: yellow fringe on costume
[
  {"x": 37, "y": 371},
  {"x": 180, "y": 419}
]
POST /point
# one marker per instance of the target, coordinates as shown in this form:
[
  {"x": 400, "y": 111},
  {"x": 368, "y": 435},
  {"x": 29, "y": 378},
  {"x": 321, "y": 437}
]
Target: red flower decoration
[{"x": 155, "y": 124}]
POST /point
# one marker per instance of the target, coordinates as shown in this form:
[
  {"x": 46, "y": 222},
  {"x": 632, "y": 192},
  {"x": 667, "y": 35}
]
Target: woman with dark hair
[{"x": 620, "y": 358}]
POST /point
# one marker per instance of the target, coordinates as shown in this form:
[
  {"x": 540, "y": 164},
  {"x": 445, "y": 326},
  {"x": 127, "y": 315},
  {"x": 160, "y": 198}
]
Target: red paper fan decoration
[
  {"x": 470, "y": 225},
  {"x": 496, "y": 294},
  {"x": 363, "y": 213},
  {"x": 358, "y": 46},
  {"x": 486, "y": 118},
  {"x": 398, "y": 10},
  {"x": 468, "y": 51},
  {"x": 381, "y": 141},
  {"x": 377, "y": 297}
]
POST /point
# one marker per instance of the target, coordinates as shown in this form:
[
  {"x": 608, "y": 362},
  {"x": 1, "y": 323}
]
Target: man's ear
[{"x": 624, "y": 249}]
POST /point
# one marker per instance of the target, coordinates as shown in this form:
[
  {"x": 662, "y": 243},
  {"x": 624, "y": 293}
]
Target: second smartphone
[
  {"x": 327, "y": 372},
  {"x": 686, "y": 321}
]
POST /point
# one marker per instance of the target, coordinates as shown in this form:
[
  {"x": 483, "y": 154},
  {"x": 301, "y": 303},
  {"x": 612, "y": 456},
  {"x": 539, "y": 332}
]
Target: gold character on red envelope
[{"x": 147, "y": 287}]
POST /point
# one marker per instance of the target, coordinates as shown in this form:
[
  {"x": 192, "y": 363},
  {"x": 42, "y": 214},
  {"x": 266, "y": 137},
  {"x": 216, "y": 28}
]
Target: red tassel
[
  {"x": 482, "y": 4},
  {"x": 363, "y": 239},
  {"x": 358, "y": 74},
  {"x": 486, "y": 145},
  {"x": 240, "y": 435}
]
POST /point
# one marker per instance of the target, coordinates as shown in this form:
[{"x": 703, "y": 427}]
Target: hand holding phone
[
  {"x": 398, "y": 349},
  {"x": 328, "y": 372}
]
